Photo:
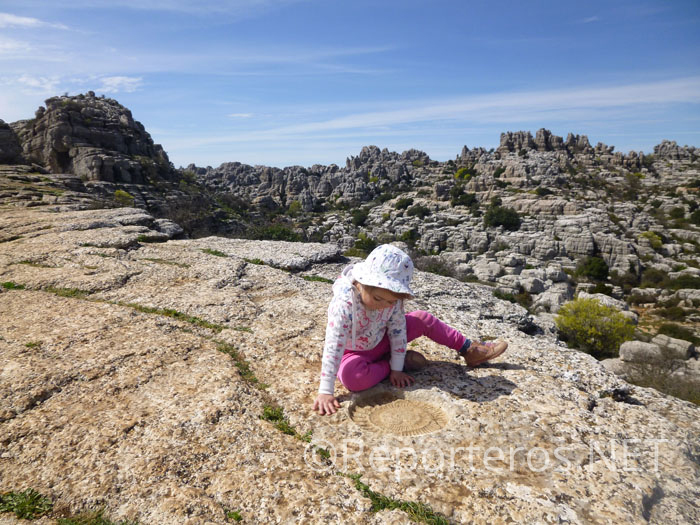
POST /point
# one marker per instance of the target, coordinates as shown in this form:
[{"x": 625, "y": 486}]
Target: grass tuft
[
  {"x": 28, "y": 504},
  {"x": 9, "y": 285},
  {"x": 33, "y": 344},
  {"x": 233, "y": 515},
  {"x": 164, "y": 261},
  {"x": 317, "y": 278},
  {"x": 214, "y": 252},
  {"x": 169, "y": 312},
  {"x": 68, "y": 292},
  {"x": 419, "y": 512},
  {"x": 254, "y": 261},
  {"x": 242, "y": 365}
]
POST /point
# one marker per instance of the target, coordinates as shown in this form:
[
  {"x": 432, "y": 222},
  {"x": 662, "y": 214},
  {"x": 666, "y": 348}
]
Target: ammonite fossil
[{"x": 388, "y": 414}]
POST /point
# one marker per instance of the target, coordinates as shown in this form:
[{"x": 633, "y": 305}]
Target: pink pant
[{"x": 364, "y": 369}]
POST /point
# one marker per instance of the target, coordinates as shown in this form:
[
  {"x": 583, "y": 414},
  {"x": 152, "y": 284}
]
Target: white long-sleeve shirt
[{"x": 352, "y": 326}]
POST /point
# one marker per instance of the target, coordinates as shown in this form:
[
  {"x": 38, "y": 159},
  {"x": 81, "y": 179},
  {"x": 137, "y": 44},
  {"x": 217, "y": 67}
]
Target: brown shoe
[
  {"x": 414, "y": 361},
  {"x": 481, "y": 352}
]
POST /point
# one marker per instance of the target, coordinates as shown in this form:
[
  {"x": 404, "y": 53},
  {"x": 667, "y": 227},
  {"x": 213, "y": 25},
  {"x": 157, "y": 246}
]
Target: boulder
[
  {"x": 674, "y": 348},
  {"x": 639, "y": 352}
]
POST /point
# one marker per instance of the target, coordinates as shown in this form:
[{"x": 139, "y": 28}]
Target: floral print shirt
[{"x": 370, "y": 326}]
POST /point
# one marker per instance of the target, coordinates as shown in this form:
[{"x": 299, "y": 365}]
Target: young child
[{"x": 367, "y": 329}]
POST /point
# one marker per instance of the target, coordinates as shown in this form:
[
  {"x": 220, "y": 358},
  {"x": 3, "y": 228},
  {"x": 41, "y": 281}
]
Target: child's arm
[
  {"x": 337, "y": 330},
  {"x": 396, "y": 328}
]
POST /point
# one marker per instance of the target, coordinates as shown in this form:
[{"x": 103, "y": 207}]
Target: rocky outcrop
[
  {"x": 10, "y": 149},
  {"x": 94, "y": 138}
]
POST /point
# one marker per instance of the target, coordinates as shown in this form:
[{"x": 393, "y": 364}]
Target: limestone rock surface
[{"x": 114, "y": 393}]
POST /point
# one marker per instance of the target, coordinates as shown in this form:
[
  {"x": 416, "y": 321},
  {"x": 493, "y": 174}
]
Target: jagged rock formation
[
  {"x": 10, "y": 149},
  {"x": 574, "y": 201},
  {"x": 114, "y": 392},
  {"x": 94, "y": 138}
]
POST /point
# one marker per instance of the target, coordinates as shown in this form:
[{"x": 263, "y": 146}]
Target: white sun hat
[{"x": 386, "y": 267}]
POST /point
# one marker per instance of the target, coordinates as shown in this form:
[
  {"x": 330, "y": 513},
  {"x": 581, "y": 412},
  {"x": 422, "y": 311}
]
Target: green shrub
[
  {"x": 677, "y": 213},
  {"x": 465, "y": 173},
  {"x": 276, "y": 232},
  {"x": 294, "y": 209},
  {"x": 653, "y": 239},
  {"x": 653, "y": 278},
  {"x": 541, "y": 192},
  {"x": 365, "y": 243},
  {"x": 673, "y": 313},
  {"x": 695, "y": 217},
  {"x": 459, "y": 198},
  {"x": 417, "y": 163},
  {"x": 409, "y": 237},
  {"x": 679, "y": 332},
  {"x": 499, "y": 171},
  {"x": 403, "y": 203},
  {"x": 359, "y": 216},
  {"x": 123, "y": 198},
  {"x": 419, "y": 211},
  {"x": 590, "y": 326},
  {"x": 593, "y": 267},
  {"x": 684, "y": 282},
  {"x": 501, "y": 216}
]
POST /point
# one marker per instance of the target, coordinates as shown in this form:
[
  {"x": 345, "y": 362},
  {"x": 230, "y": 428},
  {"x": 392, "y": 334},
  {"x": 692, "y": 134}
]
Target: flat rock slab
[{"x": 105, "y": 404}]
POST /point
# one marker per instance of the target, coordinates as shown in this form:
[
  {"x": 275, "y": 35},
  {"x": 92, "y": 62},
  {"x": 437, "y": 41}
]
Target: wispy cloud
[
  {"x": 590, "y": 19},
  {"x": 10, "y": 20},
  {"x": 558, "y": 105},
  {"x": 120, "y": 84},
  {"x": 240, "y": 115},
  {"x": 201, "y": 7}
]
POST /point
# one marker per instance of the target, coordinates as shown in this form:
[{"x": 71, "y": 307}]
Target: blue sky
[{"x": 282, "y": 82}]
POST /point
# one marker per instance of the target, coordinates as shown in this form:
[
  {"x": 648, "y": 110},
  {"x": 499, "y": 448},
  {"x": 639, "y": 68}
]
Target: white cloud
[
  {"x": 202, "y": 7},
  {"x": 556, "y": 105},
  {"x": 590, "y": 19},
  {"x": 120, "y": 84},
  {"x": 10, "y": 20},
  {"x": 41, "y": 84},
  {"x": 240, "y": 115}
]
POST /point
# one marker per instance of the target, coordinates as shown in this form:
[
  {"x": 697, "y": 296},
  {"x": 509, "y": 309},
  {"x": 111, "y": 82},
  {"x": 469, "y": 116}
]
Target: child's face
[{"x": 376, "y": 299}]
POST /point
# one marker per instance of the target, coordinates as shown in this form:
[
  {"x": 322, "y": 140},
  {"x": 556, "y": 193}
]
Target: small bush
[
  {"x": 359, "y": 216},
  {"x": 403, "y": 203},
  {"x": 590, "y": 326},
  {"x": 593, "y": 267},
  {"x": 677, "y": 213},
  {"x": 465, "y": 173},
  {"x": 679, "y": 332},
  {"x": 653, "y": 239},
  {"x": 123, "y": 198},
  {"x": 684, "y": 282},
  {"x": 653, "y": 278},
  {"x": 458, "y": 197},
  {"x": 673, "y": 313},
  {"x": 695, "y": 217},
  {"x": 276, "y": 232},
  {"x": 419, "y": 211},
  {"x": 365, "y": 243},
  {"x": 294, "y": 209},
  {"x": 541, "y": 192},
  {"x": 417, "y": 163},
  {"x": 409, "y": 237},
  {"x": 501, "y": 216}
]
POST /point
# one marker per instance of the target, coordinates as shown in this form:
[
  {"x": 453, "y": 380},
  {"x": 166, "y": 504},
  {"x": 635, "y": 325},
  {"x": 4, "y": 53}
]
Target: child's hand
[
  {"x": 326, "y": 404},
  {"x": 399, "y": 379}
]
